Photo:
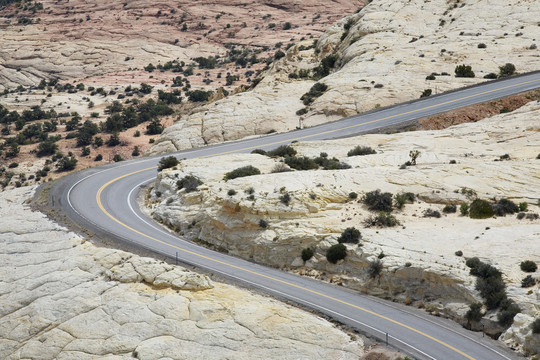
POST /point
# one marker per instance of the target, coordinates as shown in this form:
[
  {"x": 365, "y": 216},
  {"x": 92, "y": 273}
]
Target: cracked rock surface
[{"x": 64, "y": 298}]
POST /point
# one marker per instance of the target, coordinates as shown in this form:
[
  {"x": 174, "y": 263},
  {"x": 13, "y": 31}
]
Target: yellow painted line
[
  {"x": 100, "y": 191},
  {"x": 98, "y": 199}
]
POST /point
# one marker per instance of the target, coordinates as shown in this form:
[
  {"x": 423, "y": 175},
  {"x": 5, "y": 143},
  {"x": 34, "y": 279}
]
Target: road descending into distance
[{"x": 103, "y": 200}]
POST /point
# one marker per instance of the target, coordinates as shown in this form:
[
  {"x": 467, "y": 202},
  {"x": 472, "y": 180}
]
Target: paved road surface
[{"x": 102, "y": 199}]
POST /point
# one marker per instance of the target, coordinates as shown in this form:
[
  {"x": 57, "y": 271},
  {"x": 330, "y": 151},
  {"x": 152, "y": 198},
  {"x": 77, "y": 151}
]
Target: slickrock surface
[
  {"x": 419, "y": 260},
  {"x": 383, "y": 59},
  {"x": 64, "y": 298}
]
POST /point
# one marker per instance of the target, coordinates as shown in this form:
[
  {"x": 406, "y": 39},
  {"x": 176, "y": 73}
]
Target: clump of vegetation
[
  {"x": 242, "y": 172},
  {"x": 263, "y": 224},
  {"x": 189, "y": 183},
  {"x": 350, "y": 235},
  {"x": 307, "y": 254},
  {"x": 449, "y": 208},
  {"x": 528, "y": 266},
  {"x": 361, "y": 150},
  {"x": 382, "y": 219},
  {"x": 281, "y": 151},
  {"x": 231, "y": 192},
  {"x": 528, "y": 281},
  {"x": 504, "y": 206},
  {"x": 335, "y": 253},
  {"x": 464, "y": 71},
  {"x": 432, "y": 213},
  {"x": 316, "y": 90},
  {"x": 506, "y": 70},
  {"x": 285, "y": 198},
  {"x": 378, "y": 201},
  {"x": 480, "y": 209},
  {"x": 427, "y": 92},
  {"x": 324, "y": 67},
  {"x": 353, "y": 195},
  {"x": 167, "y": 162},
  {"x": 66, "y": 163},
  {"x": 459, "y": 253},
  {"x": 474, "y": 313},
  {"x": 301, "y": 163},
  {"x": 535, "y": 325},
  {"x": 464, "y": 209},
  {"x": 402, "y": 198},
  {"x": 375, "y": 268}
]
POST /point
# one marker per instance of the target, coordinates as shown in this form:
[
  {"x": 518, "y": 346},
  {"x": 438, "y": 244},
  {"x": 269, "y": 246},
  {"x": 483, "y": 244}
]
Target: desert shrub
[
  {"x": 316, "y": 90},
  {"x": 259, "y": 151},
  {"x": 242, "y": 172},
  {"x": 432, "y": 213},
  {"x": 528, "y": 266},
  {"x": 136, "y": 151},
  {"x": 506, "y": 70},
  {"x": 117, "y": 158},
  {"x": 280, "y": 167},
  {"x": 382, "y": 219},
  {"x": 402, "y": 198},
  {"x": 282, "y": 151},
  {"x": 85, "y": 151},
  {"x": 459, "y": 253},
  {"x": 46, "y": 148},
  {"x": 509, "y": 309},
  {"x": 301, "y": 163},
  {"x": 523, "y": 206},
  {"x": 98, "y": 157},
  {"x": 505, "y": 206},
  {"x": 113, "y": 140},
  {"x": 449, "y": 208},
  {"x": 66, "y": 163},
  {"x": 482, "y": 46},
  {"x": 535, "y": 325},
  {"x": 307, "y": 254},
  {"x": 350, "y": 235},
  {"x": 492, "y": 289},
  {"x": 231, "y": 192},
  {"x": 464, "y": 209},
  {"x": 13, "y": 165},
  {"x": 353, "y": 195},
  {"x": 336, "y": 252},
  {"x": 325, "y": 66},
  {"x": 490, "y": 76},
  {"x": 285, "y": 198},
  {"x": 464, "y": 71},
  {"x": 430, "y": 77},
  {"x": 199, "y": 95},
  {"x": 475, "y": 312},
  {"x": 426, "y": 93},
  {"x": 263, "y": 224},
  {"x": 480, "y": 209},
  {"x": 473, "y": 263},
  {"x": 250, "y": 190},
  {"x": 374, "y": 269},
  {"x": 521, "y": 215},
  {"x": 528, "y": 281},
  {"x": 378, "y": 201},
  {"x": 189, "y": 183},
  {"x": 279, "y": 54},
  {"x": 361, "y": 150},
  {"x": 167, "y": 162}
]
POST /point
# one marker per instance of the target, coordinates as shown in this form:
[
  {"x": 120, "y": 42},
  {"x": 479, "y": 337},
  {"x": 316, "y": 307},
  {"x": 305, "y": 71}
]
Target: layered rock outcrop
[
  {"x": 382, "y": 56},
  {"x": 64, "y": 298},
  {"x": 492, "y": 159}
]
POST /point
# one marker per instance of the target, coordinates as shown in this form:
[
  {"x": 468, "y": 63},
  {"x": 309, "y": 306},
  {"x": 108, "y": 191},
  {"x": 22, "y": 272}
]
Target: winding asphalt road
[{"x": 103, "y": 200}]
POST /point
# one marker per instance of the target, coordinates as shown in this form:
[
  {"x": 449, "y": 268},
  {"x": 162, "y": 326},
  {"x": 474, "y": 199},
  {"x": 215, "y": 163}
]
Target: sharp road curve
[{"x": 103, "y": 200}]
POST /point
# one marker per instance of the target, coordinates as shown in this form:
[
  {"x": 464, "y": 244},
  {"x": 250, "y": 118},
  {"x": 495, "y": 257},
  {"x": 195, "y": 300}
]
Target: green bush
[
  {"x": 242, "y": 172},
  {"x": 353, "y": 195},
  {"x": 66, "y": 163},
  {"x": 189, "y": 183},
  {"x": 473, "y": 263},
  {"x": 474, "y": 313},
  {"x": 349, "y": 235},
  {"x": 505, "y": 206},
  {"x": 432, "y": 213},
  {"x": 382, "y": 219},
  {"x": 464, "y": 71},
  {"x": 509, "y": 309},
  {"x": 282, "y": 151},
  {"x": 507, "y": 70},
  {"x": 259, "y": 151},
  {"x": 336, "y": 252},
  {"x": 118, "y": 158},
  {"x": 464, "y": 209},
  {"x": 459, "y": 253},
  {"x": 231, "y": 192},
  {"x": 361, "y": 150},
  {"x": 307, "y": 254},
  {"x": 402, "y": 198},
  {"x": 528, "y": 266},
  {"x": 301, "y": 163},
  {"x": 98, "y": 157},
  {"x": 285, "y": 198},
  {"x": 378, "y": 201},
  {"x": 263, "y": 224},
  {"x": 523, "y": 206},
  {"x": 374, "y": 269},
  {"x": 167, "y": 162},
  {"x": 426, "y": 92},
  {"x": 316, "y": 90},
  {"x": 528, "y": 281},
  {"x": 449, "y": 208},
  {"x": 13, "y": 165},
  {"x": 480, "y": 209}
]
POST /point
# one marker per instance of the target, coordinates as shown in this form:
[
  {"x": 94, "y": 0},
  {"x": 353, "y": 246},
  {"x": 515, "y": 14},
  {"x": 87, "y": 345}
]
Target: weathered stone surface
[
  {"x": 383, "y": 59},
  {"x": 63, "y": 298},
  {"x": 418, "y": 256}
]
